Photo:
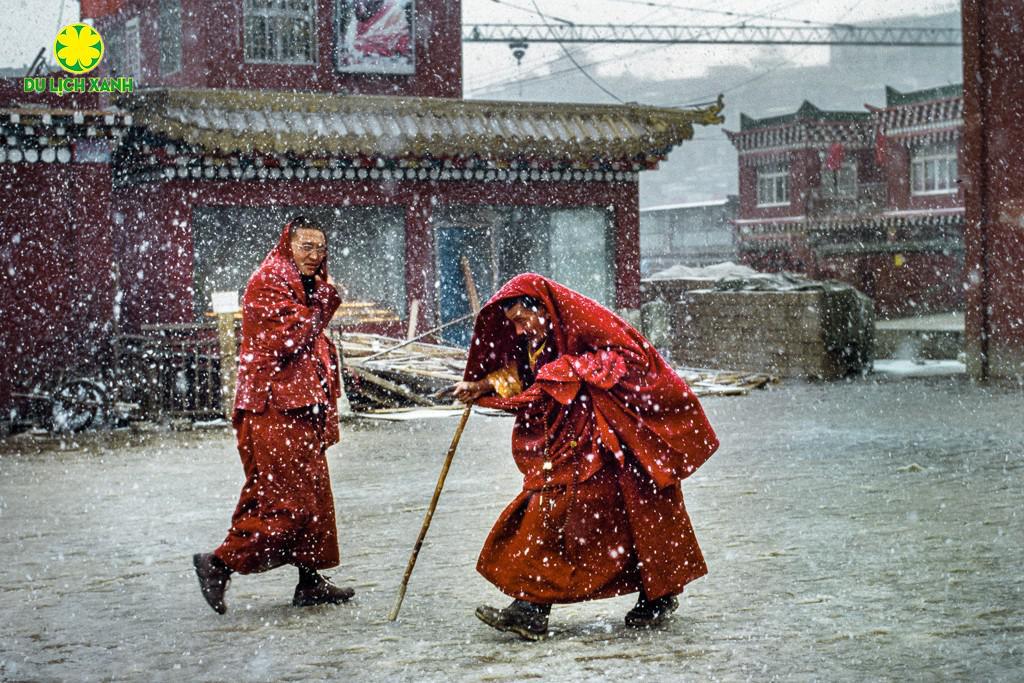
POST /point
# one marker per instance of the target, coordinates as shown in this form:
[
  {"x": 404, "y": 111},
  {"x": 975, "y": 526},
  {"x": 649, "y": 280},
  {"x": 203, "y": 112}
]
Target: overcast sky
[{"x": 28, "y": 25}]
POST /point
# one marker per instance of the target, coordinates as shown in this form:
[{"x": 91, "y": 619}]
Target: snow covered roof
[
  {"x": 716, "y": 271},
  {"x": 686, "y": 205},
  {"x": 317, "y": 124}
]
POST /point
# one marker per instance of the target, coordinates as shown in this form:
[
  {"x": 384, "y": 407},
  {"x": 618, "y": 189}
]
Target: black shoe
[
  {"x": 320, "y": 592},
  {"x": 214, "y": 578},
  {"x": 527, "y": 620},
  {"x": 651, "y": 613}
]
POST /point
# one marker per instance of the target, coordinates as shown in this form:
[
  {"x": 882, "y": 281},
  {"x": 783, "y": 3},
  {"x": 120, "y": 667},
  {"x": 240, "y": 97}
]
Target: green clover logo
[{"x": 78, "y": 48}]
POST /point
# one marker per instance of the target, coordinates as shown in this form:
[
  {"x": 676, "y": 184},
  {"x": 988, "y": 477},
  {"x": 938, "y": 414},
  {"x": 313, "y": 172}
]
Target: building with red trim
[
  {"x": 871, "y": 198},
  {"x": 130, "y": 210}
]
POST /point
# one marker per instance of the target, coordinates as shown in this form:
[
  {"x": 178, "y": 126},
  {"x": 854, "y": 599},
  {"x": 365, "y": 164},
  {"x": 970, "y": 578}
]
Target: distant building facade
[
  {"x": 871, "y": 198},
  {"x": 695, "y": 234}
]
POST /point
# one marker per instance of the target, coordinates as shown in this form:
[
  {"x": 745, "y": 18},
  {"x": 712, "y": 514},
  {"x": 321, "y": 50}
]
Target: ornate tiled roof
[
  {"x": 765, "y": 139},
  {"x": 48, "y": 135},
  {"x": 262, "y": 134},
  {"x": 767, "y": 228},
  {"x": 931, "y": 115},
  {"x": 324, "y": 125}
]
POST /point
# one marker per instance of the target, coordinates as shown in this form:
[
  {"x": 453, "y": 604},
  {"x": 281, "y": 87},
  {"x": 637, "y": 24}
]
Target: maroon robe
[
  {"x": 285, "y": 418},
  {"x": 605, "y": 431}
]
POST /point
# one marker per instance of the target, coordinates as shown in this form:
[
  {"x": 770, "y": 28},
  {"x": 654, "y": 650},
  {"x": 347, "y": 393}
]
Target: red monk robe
[
  {"x": 605, "y": 430},
  {"x": 285, "y": 418}
]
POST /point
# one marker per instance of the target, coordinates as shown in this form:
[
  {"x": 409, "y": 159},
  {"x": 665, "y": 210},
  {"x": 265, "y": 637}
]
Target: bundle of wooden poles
[{"x": 412, "y": 376}]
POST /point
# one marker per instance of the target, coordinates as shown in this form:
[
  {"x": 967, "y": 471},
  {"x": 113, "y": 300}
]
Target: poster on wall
[{"x": 376, "y": 36}]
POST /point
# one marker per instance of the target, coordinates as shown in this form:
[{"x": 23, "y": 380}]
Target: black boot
[
  {"x": 528, "y": 620},
  {"x": 314, "y": 589},
  {"x": 214, "y": 577},
  {"x": 650, "y": 613}
]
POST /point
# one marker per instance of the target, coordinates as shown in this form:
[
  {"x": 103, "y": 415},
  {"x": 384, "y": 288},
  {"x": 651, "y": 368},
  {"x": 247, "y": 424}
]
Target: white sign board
[{"x": 225, "y": 302}]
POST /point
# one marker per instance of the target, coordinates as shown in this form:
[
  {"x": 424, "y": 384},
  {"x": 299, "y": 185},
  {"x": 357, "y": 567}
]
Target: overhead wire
[
  {"x": 698, "y": 101},
  {"x": 577, "y": 64},
  {"x": 720, "y": 12},
  {"x": 771, "y": 69},
  {"x": 525, "y": 78},
  {"x": 490, "y": 85}
]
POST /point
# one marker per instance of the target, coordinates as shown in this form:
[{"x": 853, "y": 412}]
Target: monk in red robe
[
  {"x": 285, "y": 418},
  {"x": 605, "y": 431}
]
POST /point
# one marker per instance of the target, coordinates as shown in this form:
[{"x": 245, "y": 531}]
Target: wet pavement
[{"x": 854, "y": 531}]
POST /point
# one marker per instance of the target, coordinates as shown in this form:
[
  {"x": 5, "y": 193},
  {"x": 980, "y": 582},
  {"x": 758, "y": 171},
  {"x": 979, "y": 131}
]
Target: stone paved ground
[{"x": 854, "y": 531}]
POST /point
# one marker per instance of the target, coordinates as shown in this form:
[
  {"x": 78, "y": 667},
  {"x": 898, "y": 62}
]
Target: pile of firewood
[
  {"x": 409, "y": 376},
  {"x": 414, "y": 373},
  {"x": 363, "y": 312},
  {"x": 708, "y": 382}
]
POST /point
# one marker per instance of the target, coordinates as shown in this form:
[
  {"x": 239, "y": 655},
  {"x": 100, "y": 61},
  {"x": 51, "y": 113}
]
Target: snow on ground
[
  {"x": 919, "y": 368},
  {"x": 858, "y": 530}
]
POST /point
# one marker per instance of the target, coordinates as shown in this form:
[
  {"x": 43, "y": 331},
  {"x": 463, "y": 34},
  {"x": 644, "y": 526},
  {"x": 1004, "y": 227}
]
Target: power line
[
  {"x": 577, "y": 64},
  {"x": 560, "y": 72},
  {"x": 521, "y": 8},
  {"x": 525, "y": 77},
  {"x": 489, "y": 85},
  {"x": 777, "y": 66},
  {"x": 718, "y": 12}
]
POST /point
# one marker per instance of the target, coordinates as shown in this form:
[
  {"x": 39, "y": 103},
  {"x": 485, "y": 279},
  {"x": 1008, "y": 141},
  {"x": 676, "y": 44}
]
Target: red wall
[
  {"x": 69, "y": 244},
  {"x": 994, "y": 187},
  {"x": 55, "y": 256},
  {"x": 923, "y": 283},
  {"x": 212, "y": 51}
]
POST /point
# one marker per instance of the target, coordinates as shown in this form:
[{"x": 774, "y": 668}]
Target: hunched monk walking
[{"x": 605, "y": 431}]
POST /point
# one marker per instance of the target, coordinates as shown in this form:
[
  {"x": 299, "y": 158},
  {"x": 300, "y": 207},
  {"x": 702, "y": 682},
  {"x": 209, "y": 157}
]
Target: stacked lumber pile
[
  {"x": 409, "y": 376},
  {"x": 363, "y": 312},
  {"x": 708, "y": 382},
  {"x": 412, "y": 376}
]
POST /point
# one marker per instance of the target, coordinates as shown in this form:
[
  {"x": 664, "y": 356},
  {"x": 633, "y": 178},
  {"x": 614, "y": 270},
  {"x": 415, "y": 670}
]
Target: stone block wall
[{"x": 822, "y": 334}]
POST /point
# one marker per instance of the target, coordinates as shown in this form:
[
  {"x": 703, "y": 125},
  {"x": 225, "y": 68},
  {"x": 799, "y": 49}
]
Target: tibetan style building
[
  {"x": 871, "y": 198},
  {"x": 129, "y": 210}
]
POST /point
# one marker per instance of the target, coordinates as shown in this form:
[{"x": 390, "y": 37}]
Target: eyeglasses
[{"x": 305, "y": 249}]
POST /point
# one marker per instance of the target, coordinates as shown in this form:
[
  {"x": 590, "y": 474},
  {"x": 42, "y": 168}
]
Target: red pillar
[
  {"x": 993, "y": 193},
  {"x": 419, "y": 257},
  {"x": 627, "y": 248}
]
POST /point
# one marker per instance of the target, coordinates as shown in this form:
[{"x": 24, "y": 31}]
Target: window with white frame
[
  {"x": 773, "y": 185},
  {"x": 280, "y": 31},
  {"x": 132, "y": 49},
  {"x": 933, "y": 169},
  {"x": 841, "y": 182},
  {"x": 113, "y": 50},
  {"x": 170, "y": 36}
]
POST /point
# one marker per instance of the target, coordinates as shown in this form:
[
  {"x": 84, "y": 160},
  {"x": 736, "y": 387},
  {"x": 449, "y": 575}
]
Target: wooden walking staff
[
  {"x": 474, "y": 304},
  {"x": 430, "y": 512}
]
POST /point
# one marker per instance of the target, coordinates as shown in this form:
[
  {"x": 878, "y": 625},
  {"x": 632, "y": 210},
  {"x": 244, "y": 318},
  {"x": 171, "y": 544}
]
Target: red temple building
[
  {"x": 871, "y": 198},
  {"x": 130, "y": 210}
]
